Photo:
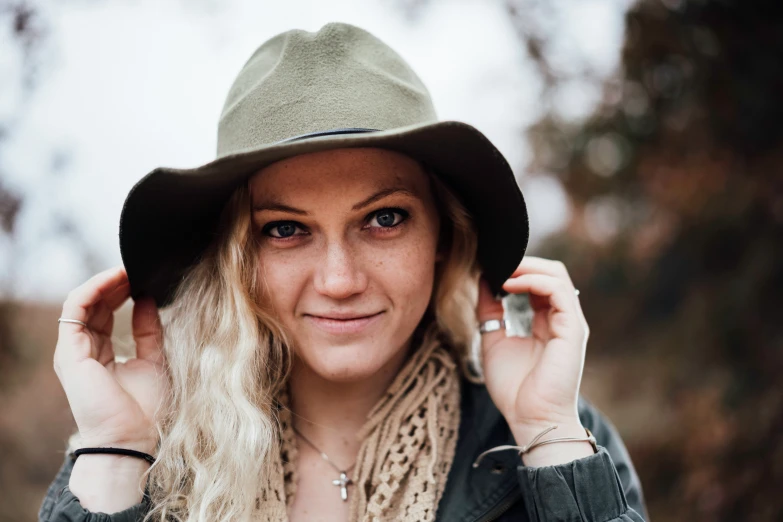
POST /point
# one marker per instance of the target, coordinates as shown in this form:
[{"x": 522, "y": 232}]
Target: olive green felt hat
[{"x": 303, "y": 92}]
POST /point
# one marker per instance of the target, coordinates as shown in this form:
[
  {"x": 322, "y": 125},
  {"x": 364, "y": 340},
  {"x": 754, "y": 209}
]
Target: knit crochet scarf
[{"x": 407, "y": 448}]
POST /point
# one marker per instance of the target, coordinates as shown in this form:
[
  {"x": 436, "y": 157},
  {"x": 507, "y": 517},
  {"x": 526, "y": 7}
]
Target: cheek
[
  {"x": 407, "y": 274},
  {"x": 281, "y": 279}
]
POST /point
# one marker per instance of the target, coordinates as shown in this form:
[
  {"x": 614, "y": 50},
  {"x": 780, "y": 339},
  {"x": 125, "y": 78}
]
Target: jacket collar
[{"x": 471, "y": 494}]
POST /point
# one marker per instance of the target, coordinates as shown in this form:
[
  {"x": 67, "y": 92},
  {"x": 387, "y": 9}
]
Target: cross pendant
[{"x": 343, "y": 482}]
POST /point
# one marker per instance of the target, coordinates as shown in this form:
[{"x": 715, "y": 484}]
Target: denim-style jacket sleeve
[
  {"x": 60, "y": 505},
  {"x": 600, "y": 488}
]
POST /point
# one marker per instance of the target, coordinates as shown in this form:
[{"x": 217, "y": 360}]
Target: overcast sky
[{"x": 126, "y": 86}]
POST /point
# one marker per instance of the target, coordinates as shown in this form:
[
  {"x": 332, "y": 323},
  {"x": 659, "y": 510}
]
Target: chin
[{"x": 348, "y": 362}]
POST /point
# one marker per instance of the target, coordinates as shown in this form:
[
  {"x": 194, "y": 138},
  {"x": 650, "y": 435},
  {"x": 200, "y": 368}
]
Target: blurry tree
[
  {"x": 27, "y": 52},
  {"x": 34, "y": 417},
  {"x": 20, "y": 21},
  {"x": 676, "y": 243},
  {"x": 17, "y": 18}
]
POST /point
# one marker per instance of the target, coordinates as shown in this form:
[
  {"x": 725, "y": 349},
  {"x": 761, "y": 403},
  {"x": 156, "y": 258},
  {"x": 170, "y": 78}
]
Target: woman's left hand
[{"x": 534, "y": 381}]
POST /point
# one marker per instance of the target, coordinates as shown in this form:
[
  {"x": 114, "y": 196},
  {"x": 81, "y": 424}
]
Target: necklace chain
[
  {"x": 343, "y": 481},
  {"x": 323, "y": 455}
]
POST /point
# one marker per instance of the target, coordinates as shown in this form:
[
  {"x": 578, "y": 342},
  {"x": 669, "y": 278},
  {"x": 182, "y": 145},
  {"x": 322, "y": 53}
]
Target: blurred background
[{"x": 646, "y": 136}]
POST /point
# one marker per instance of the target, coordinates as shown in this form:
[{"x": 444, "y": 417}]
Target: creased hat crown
[{"x": 300, "y": 82}]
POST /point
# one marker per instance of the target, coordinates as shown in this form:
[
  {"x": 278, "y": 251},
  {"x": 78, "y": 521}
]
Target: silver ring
[
  {"x": 492, "y": 325},
  {"x": 74, "y": 321},
  {"x": 576, "y": 291}
]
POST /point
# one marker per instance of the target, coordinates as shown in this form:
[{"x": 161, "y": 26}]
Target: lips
[
  {"x": 343, "y": 323},
  {"x": 343, "y": 316}
]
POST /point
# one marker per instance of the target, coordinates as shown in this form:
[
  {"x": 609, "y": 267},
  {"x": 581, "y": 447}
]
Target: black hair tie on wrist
[{"x": 113, "y": 451}]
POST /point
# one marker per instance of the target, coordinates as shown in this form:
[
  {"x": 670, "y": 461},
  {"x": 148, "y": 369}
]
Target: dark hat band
[{"x": 330, "y": 132}]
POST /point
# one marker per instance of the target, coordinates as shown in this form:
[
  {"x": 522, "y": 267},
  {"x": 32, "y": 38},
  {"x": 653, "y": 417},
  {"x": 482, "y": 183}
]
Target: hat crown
[{"x": 300, "y": 82}]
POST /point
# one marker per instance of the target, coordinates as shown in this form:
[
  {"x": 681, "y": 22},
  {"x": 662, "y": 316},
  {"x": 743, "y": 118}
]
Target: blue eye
[
  {"x": 383, "y": 219},
  {"x": 281, "y": 229},
  {"x": 388, "y": 217}
]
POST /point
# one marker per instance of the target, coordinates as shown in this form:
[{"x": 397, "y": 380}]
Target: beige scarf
[{"x": 408, "y": 445}]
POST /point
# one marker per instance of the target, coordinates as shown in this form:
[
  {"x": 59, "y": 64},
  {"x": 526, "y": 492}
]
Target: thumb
[
  {"x": 489, "y": 308},
  {"x": 147, "y": 330}
]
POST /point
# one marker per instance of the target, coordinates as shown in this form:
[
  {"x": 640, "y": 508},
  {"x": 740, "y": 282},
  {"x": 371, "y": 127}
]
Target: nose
[{"x": 339, "y": 274}]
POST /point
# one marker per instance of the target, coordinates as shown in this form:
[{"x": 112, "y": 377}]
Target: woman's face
[{"x": 348, "y": 245}]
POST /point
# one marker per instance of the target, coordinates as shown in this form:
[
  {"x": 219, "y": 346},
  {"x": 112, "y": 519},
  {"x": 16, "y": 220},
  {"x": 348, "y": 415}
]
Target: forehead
[{"x": 353, "y": 171}]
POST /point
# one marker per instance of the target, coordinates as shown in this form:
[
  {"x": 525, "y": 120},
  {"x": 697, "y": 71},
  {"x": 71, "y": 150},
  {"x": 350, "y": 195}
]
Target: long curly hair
[{"x": 228, "y": 358}]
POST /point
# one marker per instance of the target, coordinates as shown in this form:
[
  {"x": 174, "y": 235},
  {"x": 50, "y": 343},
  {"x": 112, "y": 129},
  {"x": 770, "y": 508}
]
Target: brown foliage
[{"x": 683, "y": 293}]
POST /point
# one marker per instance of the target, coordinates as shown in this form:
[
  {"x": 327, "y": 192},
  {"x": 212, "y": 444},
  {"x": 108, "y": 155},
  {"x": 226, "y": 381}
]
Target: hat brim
[{"x": 169, "y": 217}]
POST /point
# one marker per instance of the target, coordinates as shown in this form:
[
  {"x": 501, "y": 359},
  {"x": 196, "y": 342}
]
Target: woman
[{"x": 319, "y": 285}]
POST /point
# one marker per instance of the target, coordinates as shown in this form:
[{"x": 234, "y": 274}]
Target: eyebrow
[{"x": 273, "y": 205}]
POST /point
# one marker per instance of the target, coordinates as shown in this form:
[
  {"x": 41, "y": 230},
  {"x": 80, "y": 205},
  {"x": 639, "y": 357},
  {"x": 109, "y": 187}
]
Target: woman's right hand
[{"x": 113, "y": 403}]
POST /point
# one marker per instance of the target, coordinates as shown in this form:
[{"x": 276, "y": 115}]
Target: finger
[
  {"x": 489, "y": 308},
  {"x": 565, "y": 318},
  {"x": 118, "y": 296},
  {"x": 147, "y": 330},
  {"x": 76, "y": 342},
  {"x": 551, "y": 267},
  {"x": 98, "y": 321},
  {"x": 105, "y": 346},
  {"x": 556, "y": 290},
  {"x": 103, "y": 321},
  {"x": 102, "y": 311},
  {"x": 80, "y": 300},
  {"x": 539, "y": 265}
]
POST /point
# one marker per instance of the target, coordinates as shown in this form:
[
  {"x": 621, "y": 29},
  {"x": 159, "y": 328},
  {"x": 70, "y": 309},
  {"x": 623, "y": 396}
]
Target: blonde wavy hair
[{"x": 228, "y": 358}]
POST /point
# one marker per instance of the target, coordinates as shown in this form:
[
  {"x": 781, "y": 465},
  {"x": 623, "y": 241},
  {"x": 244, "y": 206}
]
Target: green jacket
[{"x": 600, "y": 488}]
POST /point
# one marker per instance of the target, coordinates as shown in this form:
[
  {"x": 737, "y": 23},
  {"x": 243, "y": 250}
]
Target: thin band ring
[
  {"x": 74, "y": 321},
  {"x": 492, "y": 325}
]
